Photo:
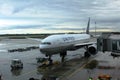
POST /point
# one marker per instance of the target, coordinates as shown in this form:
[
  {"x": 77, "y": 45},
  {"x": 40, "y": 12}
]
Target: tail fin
[{"x": 88, "y": 26}]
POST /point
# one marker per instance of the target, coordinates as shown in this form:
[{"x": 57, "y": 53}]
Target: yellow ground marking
[{"x": 78, "y": 69}]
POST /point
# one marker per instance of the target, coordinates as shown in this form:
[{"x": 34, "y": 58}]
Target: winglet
[{"x": 88, "y": 25}]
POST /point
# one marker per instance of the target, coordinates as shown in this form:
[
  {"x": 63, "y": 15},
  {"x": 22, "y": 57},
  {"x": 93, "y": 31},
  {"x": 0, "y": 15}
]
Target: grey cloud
[
  {"x": 24, "y": 27},
  {"x": 75, "y": 29},
  {"x": 68, "y": 12}
]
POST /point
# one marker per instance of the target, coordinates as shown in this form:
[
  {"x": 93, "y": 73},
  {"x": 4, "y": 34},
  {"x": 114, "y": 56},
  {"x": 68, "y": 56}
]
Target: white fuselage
[{"x": 57, "y": 43}]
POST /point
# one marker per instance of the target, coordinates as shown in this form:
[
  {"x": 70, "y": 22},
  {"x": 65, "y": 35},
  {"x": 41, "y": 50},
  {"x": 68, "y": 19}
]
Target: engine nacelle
[{"x": 92, "y": 49}]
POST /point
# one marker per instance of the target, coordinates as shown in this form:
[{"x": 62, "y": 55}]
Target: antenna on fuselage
[{"x": 88, "y": 26}]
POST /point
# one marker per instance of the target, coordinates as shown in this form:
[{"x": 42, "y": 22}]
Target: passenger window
[{"x": 46, "y": 43}]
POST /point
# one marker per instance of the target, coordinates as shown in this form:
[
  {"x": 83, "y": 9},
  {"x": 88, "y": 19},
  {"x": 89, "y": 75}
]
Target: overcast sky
[{"x": 54, "y": 16}]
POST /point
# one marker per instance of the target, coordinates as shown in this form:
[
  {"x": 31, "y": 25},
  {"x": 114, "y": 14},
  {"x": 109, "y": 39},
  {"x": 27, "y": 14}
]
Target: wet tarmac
[
  {"x": 73, "y": 71},
  {"x": 107, "y": 65},
  {"x": 28, "y": 58}
]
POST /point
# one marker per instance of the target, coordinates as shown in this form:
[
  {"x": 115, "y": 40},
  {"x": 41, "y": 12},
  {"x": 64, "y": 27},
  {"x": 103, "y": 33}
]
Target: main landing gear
[
  {"x": 86, "y": 54},
  {"x": 62, "y": 55}
]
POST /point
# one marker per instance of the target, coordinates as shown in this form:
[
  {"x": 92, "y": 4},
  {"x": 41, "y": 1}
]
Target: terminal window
[{"x": 116, "y": 45}]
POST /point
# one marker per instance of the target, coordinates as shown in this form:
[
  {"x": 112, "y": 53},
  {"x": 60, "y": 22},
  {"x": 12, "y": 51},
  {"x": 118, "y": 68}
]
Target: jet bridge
[{"x": 110, "y": 42}]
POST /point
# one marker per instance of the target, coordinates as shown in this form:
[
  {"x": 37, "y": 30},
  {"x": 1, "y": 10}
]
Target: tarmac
[
  {"x": 107, "y": 65},
  {"x": 30, "y": 68},
  {"x": 72, "y": 69}
]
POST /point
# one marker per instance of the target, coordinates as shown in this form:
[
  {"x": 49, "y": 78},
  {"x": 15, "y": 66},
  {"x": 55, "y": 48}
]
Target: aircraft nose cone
[{"x": 42, "y": 48}]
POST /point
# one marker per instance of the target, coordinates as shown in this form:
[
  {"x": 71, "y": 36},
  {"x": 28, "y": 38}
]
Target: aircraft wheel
[
  {"x": 86, "y": 54},
  {"x": 46, "y": 55},
  {"x": 62, "y": 55}
]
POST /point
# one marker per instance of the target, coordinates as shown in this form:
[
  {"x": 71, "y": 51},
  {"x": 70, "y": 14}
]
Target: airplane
[{"x": 61, "y": 43}]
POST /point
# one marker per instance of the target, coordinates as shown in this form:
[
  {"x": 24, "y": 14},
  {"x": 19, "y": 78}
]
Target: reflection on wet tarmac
[
  {"x": 48, "y": 77},
  {"x": 16, "y": 72},
  {"x": 28, "y": 58},
  {"x": 31, "y": 69}
]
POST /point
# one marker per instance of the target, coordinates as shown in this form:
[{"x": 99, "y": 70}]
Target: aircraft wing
[
  {"x": 35, "y": 39},
  {"x": 84, "y": 44}
]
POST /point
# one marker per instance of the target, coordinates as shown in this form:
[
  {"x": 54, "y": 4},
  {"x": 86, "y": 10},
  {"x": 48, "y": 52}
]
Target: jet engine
[{"x": 92, "y": 49}]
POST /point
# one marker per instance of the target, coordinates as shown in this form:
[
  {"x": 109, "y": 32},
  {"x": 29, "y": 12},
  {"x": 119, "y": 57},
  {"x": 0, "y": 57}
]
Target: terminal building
[{"x": 109, "y": 41}]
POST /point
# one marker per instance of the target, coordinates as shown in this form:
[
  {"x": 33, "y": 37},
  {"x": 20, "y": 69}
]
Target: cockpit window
[{"x": 47, "y": 43}]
